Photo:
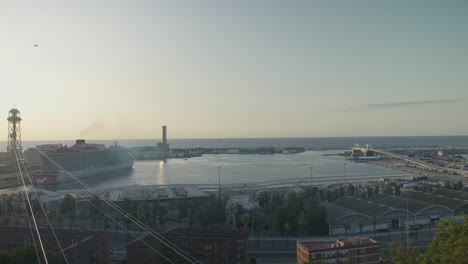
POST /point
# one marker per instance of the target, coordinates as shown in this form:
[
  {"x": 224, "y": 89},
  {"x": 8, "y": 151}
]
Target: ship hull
[{"x": 79, "y": 174}]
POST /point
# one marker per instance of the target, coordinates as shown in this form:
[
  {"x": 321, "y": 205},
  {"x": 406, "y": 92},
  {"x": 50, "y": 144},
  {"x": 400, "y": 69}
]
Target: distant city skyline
[{"x": 234, "y": 69}]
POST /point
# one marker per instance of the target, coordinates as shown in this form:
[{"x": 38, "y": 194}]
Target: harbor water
[{"x": 235, "y": 168}]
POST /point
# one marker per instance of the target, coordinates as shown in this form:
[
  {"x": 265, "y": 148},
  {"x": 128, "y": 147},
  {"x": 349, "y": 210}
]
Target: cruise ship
[{"x": 81, "y": 160}]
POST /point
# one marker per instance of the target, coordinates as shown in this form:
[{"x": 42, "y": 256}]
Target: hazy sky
[{"x": 215, "y": 69}]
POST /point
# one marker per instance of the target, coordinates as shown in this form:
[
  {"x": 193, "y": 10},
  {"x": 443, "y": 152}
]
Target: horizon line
[{"x": 221, "y": 138}]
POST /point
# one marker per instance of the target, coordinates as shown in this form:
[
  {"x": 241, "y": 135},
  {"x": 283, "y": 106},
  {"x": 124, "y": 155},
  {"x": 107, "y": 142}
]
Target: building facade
[{"x": 348, "y": 250}]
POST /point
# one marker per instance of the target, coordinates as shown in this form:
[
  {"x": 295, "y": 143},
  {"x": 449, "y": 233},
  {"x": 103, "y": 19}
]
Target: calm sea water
[
  {"x": 235, "y": 169},
  {"x": 254, "y": 168}
]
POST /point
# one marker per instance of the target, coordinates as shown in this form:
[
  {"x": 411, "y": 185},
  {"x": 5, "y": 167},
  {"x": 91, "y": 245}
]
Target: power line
[
  {"x": 122, "y": 226},
  {"x": 46, "y": 217},
  {"x": 123, "y": 212},
  {"x": 30, "y": 207},
  {"x": 26, "y": 210}
]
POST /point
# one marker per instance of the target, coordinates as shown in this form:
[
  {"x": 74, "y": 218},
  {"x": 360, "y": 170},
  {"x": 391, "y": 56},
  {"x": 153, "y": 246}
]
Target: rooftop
[
  {"x": 398, "y": 202},
  {"x": 461, "y": 195},
  {"x": 363, "y": 207},
  {"x": 206, "y": 232},
  {"x": 320, "y": 245},
  {"x": 436, "y": 199},
  {"x": 336, "y": 211}
]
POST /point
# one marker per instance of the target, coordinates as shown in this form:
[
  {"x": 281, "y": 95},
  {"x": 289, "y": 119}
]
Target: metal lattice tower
[{"x": 14, "y": 133}]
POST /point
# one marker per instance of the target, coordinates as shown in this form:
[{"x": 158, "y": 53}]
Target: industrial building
[{"x": 384, "y": 211}]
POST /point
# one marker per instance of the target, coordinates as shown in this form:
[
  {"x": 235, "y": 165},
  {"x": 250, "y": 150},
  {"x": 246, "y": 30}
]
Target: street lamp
[
  {"x": 219, "y": 181},
  {"x": 311, "y": 168},
  {"x": 344, "y": 172},
  {"x": 407, "y": 222}
]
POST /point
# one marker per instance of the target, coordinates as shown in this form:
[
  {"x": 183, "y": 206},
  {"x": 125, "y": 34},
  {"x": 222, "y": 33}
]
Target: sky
[{"x": 240, "y": 69}]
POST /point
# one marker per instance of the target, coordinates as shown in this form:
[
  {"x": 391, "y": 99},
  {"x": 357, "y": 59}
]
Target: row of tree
[{"x": 450, "y": 245}]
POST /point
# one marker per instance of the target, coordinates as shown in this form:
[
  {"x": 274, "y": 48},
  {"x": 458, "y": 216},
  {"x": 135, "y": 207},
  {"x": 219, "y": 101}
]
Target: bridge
[{"x": 369, "y": 150}]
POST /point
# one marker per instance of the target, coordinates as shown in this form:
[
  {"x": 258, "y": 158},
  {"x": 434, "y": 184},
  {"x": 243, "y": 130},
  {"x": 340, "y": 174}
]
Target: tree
[
  {"x": 416, "y": 227},
  {"x": 287, "y": 227},
  {"x": 60, "y": 219},
  {"x": 450, "y": 243},
  {"x": 82, "y": 217},
  {"x": 374, "y": 223},
  {"x": 401, "y": 255},
  {"x": 252, "y": 260},
  {"x": 397, "y": 191},
  {"x": 346, "y": 226},
  {"x": 162, "y": 217},
  {"x": 369, "y": 191},
  {"x": 68, "y": 205},
  {"x": 376, "y": 189},
  {"x": 25, "y": 254},
  {"x": 301, "y": 221},
  {"x": 351, "y": 190},
  {"x": 96, "y": 205},
  {"x": 389, "y": 229},
  {"x": 330, "y": 222},
  {"x": 360, "y": 224},
  {"x": 458, "y": 185}
]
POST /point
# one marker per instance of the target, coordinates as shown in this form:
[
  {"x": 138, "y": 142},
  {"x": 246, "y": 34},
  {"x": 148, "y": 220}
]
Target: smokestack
[{"x": 164, "y": 135}]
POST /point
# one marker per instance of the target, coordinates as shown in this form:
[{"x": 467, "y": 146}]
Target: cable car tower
[{"x": 14, "y": 134}]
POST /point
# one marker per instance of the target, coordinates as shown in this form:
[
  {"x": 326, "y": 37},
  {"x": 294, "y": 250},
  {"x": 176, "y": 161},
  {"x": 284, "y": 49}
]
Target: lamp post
[
  {"x": 219, "y": 181},
  {"x": 344, "y": 172},
  {"x": 407, "y": 222},
  {"x": 311, "y": 168}
]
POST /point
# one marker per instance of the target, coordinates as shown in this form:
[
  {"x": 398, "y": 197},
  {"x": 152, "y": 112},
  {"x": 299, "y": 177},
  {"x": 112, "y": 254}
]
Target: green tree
[
  {"x": 360, "y": 224},
  {"x": 330, "y": 222},
  {"x": 162, "y": 215},
  {"x": 346, "y": 226},
  {"x": 397, "y": 191},
  {"x": 302, "y": 222},
  {"x": 60, "y": 219},
  {"x": 68, "y": 205},
  {"x": 458, "y": 185},
  {"x": 401, "y": 255},
  {"x": 376, "y": 189},
  {"x": 416, "y": 227},
  {"x": 351, "y": 190},
  {"x": 389, "y": 229},
  {"x": 374, "y": 223},
  {"x": 252, "y": 260},
  {"x": 287, "y": 228},
  {"x": 25, "y": 255},
  {"x": 450, "y": 243}
]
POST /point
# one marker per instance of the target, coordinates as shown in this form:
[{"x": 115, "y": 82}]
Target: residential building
[{"x": 347, "y": 250}]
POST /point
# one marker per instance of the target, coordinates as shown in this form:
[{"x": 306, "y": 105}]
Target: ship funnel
[{"x": 164, "y": 135}]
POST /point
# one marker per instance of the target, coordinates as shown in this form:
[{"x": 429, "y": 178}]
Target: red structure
[{"x": 347, "y": 250}]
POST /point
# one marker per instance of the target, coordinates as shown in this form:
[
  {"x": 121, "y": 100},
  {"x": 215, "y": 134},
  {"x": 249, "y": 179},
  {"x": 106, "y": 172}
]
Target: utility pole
[
  {"x": 344, "y": 172},
  {"x": 311, "y": 168},
  {"x": 219, "y": 181},
  {"x": 407, "y": 222}
]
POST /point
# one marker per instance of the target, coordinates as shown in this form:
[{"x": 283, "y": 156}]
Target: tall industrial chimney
[{"x": 164, "y": 135}]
